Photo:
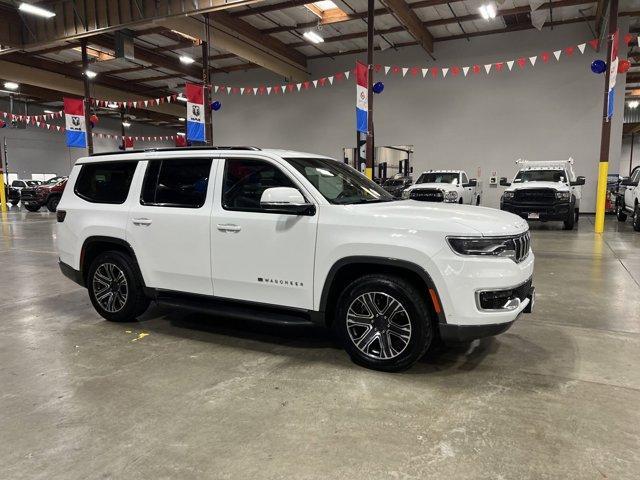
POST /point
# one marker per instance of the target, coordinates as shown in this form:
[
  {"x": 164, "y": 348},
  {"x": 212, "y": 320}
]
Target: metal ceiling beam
[
  {"x": 408, "y": 18},
  {"x": 254, "y": 50}
]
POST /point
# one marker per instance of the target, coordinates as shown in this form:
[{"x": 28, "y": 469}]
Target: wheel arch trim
[{"x": 114, "y": 241}]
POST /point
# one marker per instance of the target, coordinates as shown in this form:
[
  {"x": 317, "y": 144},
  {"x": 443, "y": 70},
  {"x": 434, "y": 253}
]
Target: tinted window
[
  {"x": 438, "y": 177},
  {"x": 540, "y": 176},
  {"x": 245, "y": 180},
  {"x": 179, "y": 182},
  {"x": 17, "y": 183},
  {"x": 465, "y": 179},
  {"x": 106, "y": 182}
]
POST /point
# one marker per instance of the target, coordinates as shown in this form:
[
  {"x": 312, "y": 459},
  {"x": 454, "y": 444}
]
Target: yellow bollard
[
  {"x": 3, "y": 197},
  {"x": 601, "y": 198},
  {"x": 369, "y": 173}
]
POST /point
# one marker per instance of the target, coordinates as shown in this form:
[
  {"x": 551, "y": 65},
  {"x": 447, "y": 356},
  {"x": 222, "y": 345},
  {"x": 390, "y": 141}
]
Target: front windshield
[
  {"x": 339, "y": 183},
  {"x": 33, "y": 183},
  {"x": 540, "y": 176},
  {"x": 53, "y": 180},
  {"x": 439, "y": 177}
]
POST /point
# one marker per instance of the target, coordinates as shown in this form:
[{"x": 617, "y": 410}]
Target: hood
[
  {"x": 440, "y": 186},
  {"x": 449, "y": 218},
  {"x": 560, "y": 187}
]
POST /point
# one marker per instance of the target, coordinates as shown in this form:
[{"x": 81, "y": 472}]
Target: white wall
[
  {"x": 625, "y": 154},
  {"x": 552, "y": 111}
]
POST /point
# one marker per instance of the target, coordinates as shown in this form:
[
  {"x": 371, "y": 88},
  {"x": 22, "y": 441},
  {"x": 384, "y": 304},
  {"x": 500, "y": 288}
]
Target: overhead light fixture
[
  {"x": 181, "y": 134},
  {"x": 186, "y": 59},
  {"x": 11, "y": 85},
  {"x": 90, "y": 74},
  {"x": 49, "y": 111},
  {"x": 181, "y": 98},
  {"x": 126, "y": 124},
  {"x": 313, "y": 37},
  {"x": 633, "y": 104},
  {"x": 488, "y": 11},
  {"x": 181, "y": 119},
  {"x": 39, "y": 11},
  {"x": 112, "y": 105}
]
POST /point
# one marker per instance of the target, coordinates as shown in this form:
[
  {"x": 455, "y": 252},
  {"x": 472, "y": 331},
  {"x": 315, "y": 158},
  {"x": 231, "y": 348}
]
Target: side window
[
  {"x": 246, "y": 179},
  {"x": 176, "y": 182},
  {"x": 464, "y": 178},
  {"x": 17, "y": 183},
  {"x": 636, "y": 175},
  {"x": 105, "y": 182}
]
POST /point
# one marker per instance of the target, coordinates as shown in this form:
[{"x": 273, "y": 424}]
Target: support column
[
  {"x": 87, "y": 95},
  {"x": 370, "y": 137},
  {"x": 633, "y": 140},
  {"x": 603, "y": 168},
  {"x": 206, "y": 80},
  {"x": 122, "y": 129}
]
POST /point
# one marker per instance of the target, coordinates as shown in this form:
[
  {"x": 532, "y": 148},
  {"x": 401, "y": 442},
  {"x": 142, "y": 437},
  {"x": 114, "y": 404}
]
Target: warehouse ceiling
[{"x": 44, "y": 55}]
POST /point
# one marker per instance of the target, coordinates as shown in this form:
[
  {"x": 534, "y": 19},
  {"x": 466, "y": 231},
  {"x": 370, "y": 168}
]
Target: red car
[{"x": 48, "y": 194}]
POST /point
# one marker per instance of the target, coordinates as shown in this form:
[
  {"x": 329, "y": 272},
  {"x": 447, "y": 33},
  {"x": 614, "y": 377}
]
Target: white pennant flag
[
  {"x": 268, "y": 90},
  {"x": 315, "y": 84},
  {"x": 465, "y": 70},
  {"x": 346, "y": 74},
  {"x": 298, "y": 86},
  {"x": 283, "y": 88},
  {"x": 533, "y": 60},
  {"x": 424, "y": 72},
  {"x": 330, "y": 79},
  {"x": 216, "y": 88},
  {"x": 386, "y": 69},
  {"x": 557, "y": 54},
  {"x": 228, "y": 90},
  {"x": 581, "y": 47},
  {"x": 444, "y": 72},
  {"x": 255, "y": 90},
  {"x": 146, "y": 103},
  {"x": 404, "y": 71},
  {"x": 135, "y": 104},
  {"x": 168, "y": 98},
  {"x": 487, "y": 67},
  {"x": 510, "y": 64}
]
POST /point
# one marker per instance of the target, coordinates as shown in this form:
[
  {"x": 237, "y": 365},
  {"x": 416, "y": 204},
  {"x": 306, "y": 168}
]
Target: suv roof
[
  {"x": 133, "y": 154},
  {"x": 438, "y": 170}
]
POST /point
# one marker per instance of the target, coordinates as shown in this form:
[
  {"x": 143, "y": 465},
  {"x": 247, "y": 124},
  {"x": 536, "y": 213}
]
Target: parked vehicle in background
[
  {"x": 449, "y": 186},
  {"x": 48, "y": 194},
  {"x": 19, "y": 184},
  {"x": 628, "y": 200},
  {"x": 396, "y": 185},
  {"x": 12, "y": 194},
  {"x": 290, "y": 237},
  {"x": 544, "y": 190}
]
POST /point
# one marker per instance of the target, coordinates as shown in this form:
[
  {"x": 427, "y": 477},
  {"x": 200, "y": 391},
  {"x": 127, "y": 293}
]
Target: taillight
[{"x": 60, "y": 215}]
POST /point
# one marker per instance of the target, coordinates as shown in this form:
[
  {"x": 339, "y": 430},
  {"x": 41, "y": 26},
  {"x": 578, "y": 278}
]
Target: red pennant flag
[
  {"x": 476, "y": 69},
  {"x": 377, "y": 67},
  {"x": 395, "y": 69},
  {"x": 569, "y": 51},
  {"x": 594, "y": 43},
  {"x": 262, "y": 89},
  {"x": 339, "y": 75},
  {"x": 276, "y": 89},
  {"x": 544, "y": 56},
  {"x": 434, "y": 71},
  {"x": 290, "y": 87},
  {"x": 455, "y": 71},
  {"x": 235, "y": 90},
  {"x": 627, "y": 38},
  {"x": 306, "y": 84},
  {"x": 499, "y": 66},
  {"x": 414, "y": 71},
  {"x": 522, "y": 62},
  {"x": 322, "y": 81}
]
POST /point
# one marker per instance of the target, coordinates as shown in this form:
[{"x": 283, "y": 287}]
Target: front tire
[
  {"x": 570, "y": 222},
  {"x": 621, "y": 215},
  {"x": 115, "y": 288},
  {"x": 52, "y": 204},
  {"x": 32, "y": 207},
  {"x": 384, "y": 322},
  {"x": 15, "y": 202},
  {"x": 478, "y": 201}
]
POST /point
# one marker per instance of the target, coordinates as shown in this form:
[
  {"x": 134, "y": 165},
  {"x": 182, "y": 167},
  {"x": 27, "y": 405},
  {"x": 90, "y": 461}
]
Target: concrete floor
[{"x": 185, "y": 396}]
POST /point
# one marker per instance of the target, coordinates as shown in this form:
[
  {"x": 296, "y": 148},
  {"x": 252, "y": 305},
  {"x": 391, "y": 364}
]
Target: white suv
[{"x": 289, "y": 237}]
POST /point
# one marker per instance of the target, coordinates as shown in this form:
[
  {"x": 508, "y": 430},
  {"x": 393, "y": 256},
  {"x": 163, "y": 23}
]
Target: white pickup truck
[
  {"x": 448, "y": 186},
  {"x": 628, "y": 201},
  {"x": 544, "y": 190}
]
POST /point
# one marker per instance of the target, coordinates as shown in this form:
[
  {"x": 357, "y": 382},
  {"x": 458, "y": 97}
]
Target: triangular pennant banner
[
  {"x": 424, "y": 72},
  {"x": 331, "y": 79},
  {"x": 404, "y": 71},
  {"x": 510, "y": 64},
  {"x": 346, "y": 74},
  {"x": 455, "y": 71},
  {"x": 581, "y": 47},
  {"x": 315, "y": 83},
  {"x": 386, "y": 69},
  {"x": 255, "y": 90},
  {"x": 533, "y": 60},
  {"x": 465, "y": 70},
  {"x": 268, "y": 90},
  {"x": 298, "y": 86},
  {"x": 594, "y": 43},
  {"x": 487, "y": 68},
  {"x": 557, "y": 54},
  {"x": 444, "y": 72}
]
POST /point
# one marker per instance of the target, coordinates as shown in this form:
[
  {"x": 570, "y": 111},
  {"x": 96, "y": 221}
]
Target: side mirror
[
  {"x": 285, "y": 200},
  {"x": 626, "y": 182},
  {"x": 472, "y": 182},
  {"x": 504, "y": 182},
  {"x": 578, "y": 181}
]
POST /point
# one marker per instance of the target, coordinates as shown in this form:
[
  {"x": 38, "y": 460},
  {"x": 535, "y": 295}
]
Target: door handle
[
  {"x": 229, "y": 227},
  {"x": 141, "y": 221}
]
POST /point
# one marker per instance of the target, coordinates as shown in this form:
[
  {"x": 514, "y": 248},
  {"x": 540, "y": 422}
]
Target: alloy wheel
[
  {"x": 110, "y": 287},
  {"x": 378, "y": 325}
]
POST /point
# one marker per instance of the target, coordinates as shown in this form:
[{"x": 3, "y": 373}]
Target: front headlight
[
  {"x": 563, "y": 195},
  {"x": 495, "y": 247},
  {"x": 508, "y": 195},
  {"x": 451, "y": 196},
  {"x": 405, "y": 193}
]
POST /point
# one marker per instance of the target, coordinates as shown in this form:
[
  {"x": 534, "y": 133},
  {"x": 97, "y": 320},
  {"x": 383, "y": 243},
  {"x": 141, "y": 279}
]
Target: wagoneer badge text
[{"x": 284, "y": 283}]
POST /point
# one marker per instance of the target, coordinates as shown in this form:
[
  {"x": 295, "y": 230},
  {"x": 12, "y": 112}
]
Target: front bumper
[{"x": 552, "y": 211}]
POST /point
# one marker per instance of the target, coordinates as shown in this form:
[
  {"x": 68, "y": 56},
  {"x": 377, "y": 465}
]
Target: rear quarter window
[{"x": 105, "y": 182}]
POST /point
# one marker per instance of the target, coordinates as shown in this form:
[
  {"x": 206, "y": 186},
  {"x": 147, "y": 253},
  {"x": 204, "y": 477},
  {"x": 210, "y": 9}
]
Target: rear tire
[
  {"x": 52, "y": 203},
  {"x": 577, "y": 215},
  {"x": 478, "y": 201},
  {"x": 15, "y": 202},
  {"x": 383, "y": 322},
  {"x": 115, "y": 288},
  {"x": 621, "y": 215},
  {"x": 636, "y": 218},
  {"x": 31, "y": 207}
]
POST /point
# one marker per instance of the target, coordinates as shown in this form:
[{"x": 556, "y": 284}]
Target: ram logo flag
[
  {"x": 613, "y": 72},
  {"x": 195, "y": 112},
  {"x": 362, "y": 99},
  {"x": 75, "y": 128}
]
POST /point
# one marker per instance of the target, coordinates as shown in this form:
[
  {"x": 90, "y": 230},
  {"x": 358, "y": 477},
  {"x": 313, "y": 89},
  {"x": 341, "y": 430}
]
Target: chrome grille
[
  {"x": 536, "y": 195},
  {"x": 522, "y": 245}
]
